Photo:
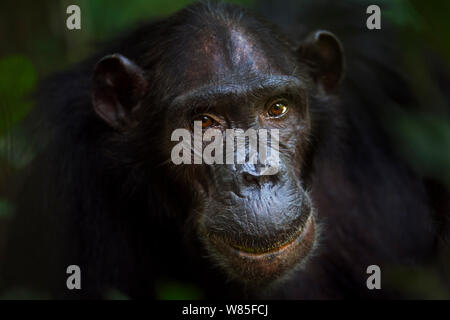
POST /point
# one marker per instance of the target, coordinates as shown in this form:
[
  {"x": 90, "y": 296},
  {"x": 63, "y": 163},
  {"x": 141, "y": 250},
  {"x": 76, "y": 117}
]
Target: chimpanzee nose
[{"x": 256, "y": 175}]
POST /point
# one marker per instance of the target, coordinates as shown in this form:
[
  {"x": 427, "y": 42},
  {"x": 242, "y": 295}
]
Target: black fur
[{"x": 102, "y": 200}]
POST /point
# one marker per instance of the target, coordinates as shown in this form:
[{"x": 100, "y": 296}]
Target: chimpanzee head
[{"x": 227, "y": 69}]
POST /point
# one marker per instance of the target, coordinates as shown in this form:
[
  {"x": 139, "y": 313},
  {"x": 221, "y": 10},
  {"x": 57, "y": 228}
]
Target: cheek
[
  {"x": 295, "y": 145},
  {"x": 294, "y": 134}
]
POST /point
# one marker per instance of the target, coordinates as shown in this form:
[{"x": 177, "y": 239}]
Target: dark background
[{"x": 34, "y": 43}]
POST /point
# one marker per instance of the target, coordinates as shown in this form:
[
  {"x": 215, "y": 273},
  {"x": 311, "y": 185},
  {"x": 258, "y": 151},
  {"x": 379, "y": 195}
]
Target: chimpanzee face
[{"x": 254, "y": 222}]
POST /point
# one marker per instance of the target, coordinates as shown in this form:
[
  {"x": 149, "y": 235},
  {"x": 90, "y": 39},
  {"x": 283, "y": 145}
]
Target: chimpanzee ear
[
  {"x": 323, "y": 52},
  {"x": 118, "y": 88}
]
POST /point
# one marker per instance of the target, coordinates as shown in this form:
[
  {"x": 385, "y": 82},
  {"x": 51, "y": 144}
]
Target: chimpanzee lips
[
  {"x": 273, "y": 248},
  {"x": 264, "y": 266}
]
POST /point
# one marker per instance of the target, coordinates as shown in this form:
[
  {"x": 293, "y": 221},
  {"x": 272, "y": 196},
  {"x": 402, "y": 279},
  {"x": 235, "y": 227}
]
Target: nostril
[
  {"x": 250, "y": 179},
  {"x": 259, "y": 180}
]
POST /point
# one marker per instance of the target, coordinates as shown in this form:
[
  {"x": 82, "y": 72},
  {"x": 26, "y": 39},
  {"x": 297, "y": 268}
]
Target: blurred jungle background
[{"x": 34, "y": 42}]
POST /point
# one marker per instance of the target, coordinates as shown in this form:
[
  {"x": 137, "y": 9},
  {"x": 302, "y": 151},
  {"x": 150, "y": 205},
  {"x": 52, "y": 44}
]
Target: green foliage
[
  {"x": 18, "y": 78},
  {"x": 114, "y": 294},
  {"x": 416, "y": 282},
  {"x": 6, "y": 209},
  {"x": 403, "y": 14},
  {"x": 422, "y": 134},
  {"x": 435, "y": 18},
  {"x": 171, "y": 290},
  {"x": 106, "y": 18},
  {"x": 425, "y": 22},
  {"x": 425, "y": 141},
  {"x": 24, "y": 294}
]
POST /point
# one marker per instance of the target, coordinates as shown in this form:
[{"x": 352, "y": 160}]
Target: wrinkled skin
[{"x": 257, "y": 227}]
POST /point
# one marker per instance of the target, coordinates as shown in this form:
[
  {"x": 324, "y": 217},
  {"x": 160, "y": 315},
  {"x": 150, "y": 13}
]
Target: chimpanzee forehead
[
  {"x": 245, "y": 52},
  {"x": 224, "y": 52}
]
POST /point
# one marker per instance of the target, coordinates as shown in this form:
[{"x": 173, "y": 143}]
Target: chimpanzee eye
[
  {"x": 207, "y": 121},
  {"x": 277, "y": 109}
]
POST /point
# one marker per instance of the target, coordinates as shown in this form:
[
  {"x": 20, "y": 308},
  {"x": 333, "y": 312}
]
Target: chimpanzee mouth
[
  {"x": 264, "y": 266},
  {"x": 275, "y": 247}
]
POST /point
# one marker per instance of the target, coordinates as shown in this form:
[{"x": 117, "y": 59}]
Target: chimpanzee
[{"x": 103, "y": 193}]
